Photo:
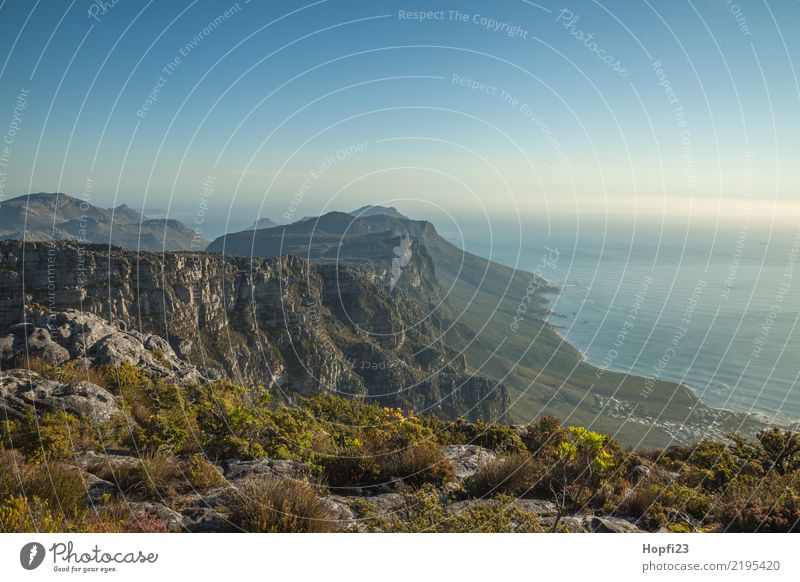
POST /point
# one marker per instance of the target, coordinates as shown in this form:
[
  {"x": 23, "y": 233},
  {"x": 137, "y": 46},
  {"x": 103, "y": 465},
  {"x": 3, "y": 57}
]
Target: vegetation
[
  {"x": 171, "y": 440},
  {"x": 273, "y": 504}
]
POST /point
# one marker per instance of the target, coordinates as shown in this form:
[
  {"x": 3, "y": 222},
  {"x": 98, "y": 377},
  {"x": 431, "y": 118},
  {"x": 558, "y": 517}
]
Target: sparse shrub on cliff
[
  {"x": 111, "y": 516},
  {"x": 584, "y": 458},
  {"x": 665, "y": 505},
  {"x": 421, "y": 463},
  {"x": 232, "y": 419},
  {"x": 781, "y": 450},
  {"x": 498, "y": 437},
  {"x": 544, "y": 436}
]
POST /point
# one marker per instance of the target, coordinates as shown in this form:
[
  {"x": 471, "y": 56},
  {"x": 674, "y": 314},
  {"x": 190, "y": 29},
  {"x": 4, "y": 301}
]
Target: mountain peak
[{"x": 374, "y": 209}]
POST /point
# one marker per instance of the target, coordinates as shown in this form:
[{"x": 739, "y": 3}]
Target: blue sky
[{"x": 295, "y": 107}]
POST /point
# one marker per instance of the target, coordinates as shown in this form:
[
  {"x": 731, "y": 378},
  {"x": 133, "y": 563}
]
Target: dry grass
[
  {"x": 422, "y": 463},
  {"x": 275, "y": 505},
  {"x": 156, "y": 475},
  {"x": 69, "y": 372},
  {"x": 513, "y": 474}
]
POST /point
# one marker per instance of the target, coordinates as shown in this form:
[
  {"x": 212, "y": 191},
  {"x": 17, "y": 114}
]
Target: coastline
[{"x": 761, "y": 416}]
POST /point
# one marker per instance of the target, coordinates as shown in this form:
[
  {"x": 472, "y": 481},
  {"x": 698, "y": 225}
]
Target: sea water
[{"x": 713, "y": 306}]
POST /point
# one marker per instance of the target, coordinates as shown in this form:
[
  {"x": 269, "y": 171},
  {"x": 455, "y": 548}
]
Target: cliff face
[{"x": 293, "y": 326}]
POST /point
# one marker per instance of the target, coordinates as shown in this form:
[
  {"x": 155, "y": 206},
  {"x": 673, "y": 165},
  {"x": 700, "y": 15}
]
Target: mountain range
[
  {"x": 368, "y": 303},
  {"x": 44, "y": 216}
]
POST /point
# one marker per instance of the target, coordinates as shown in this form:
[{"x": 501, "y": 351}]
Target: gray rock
[
  {"x": 96, "y": 487},
  {"x": 467, "y": 459},
  {"x": 172, "y": 519},
  {"x": 205, "y": 519},
  {"x": 235, "y": 469},
  {"x": 540, "y": 507},
  {"x": 89, "y": 340},
  {"x": 23, "y": 390},
  {"x": 91, "y": 461},
  {"x": 608, "y": 524}
]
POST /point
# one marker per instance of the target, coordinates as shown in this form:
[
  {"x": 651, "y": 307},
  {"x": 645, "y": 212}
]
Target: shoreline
[{"x": 762, "y": 416}]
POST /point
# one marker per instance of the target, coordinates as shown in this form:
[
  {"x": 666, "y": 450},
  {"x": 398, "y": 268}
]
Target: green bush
[
  {"x": 544, "y": 436},
  {"x": 202, "y": 474},
  {"x": 51, "y": 436},
  {"x": 18, "y": 514},
  {"x": 425, "y": 513}
]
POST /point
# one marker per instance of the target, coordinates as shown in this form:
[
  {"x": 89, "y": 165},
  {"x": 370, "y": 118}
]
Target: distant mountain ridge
[{"x": 55, "y": 216}]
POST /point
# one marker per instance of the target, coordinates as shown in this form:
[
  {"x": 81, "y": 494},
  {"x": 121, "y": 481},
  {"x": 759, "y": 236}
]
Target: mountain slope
[{"x": 44, "y": 216}]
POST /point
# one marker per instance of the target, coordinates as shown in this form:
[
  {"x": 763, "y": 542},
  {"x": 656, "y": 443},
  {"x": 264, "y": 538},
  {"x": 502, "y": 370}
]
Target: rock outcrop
[
  {"x": 22, "y": 391},
  {"x": 90, "y": 342},
  {"x": 296, "y": 327}
]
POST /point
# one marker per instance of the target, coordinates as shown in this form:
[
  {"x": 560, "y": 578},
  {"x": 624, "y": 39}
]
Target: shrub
[
  {"x": 58, "y": 488},
  {"x": 544, "y": 436},
  {"x": 353, "y": 465},
  {"x": 781, "y": 449},
  {"x": 202, "y": 474},
  {"x": 512, "y": 474},
  {"x": 116, "y": 517},
  {"x": 421, "y": 463},
  {"x": 232, "y": 419},
  {"x": 19, "y": 514},
  {"x": 583, "y": 459},
  {"x": 665, "y": 504},
  {"x": 498, "y": 437},
  {"x": 61, "y": 487},
  {"x": 766, "y": 505},
  {"x": 271, "y": 504},
  {"x": 424, "y": 512},
  {"x": 52, "y": 436},
  {"x": 13, "y": 470}
]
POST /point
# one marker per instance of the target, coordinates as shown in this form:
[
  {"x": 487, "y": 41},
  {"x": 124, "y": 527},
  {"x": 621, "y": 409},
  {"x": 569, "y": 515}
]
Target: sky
[{"x": 221, "y": 112}]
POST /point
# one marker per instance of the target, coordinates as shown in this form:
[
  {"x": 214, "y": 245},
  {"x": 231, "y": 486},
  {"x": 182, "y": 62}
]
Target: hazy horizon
[{"x": 271, "y": 109}]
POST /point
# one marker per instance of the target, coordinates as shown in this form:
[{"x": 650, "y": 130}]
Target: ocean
[{"x": 714, "y": 308}]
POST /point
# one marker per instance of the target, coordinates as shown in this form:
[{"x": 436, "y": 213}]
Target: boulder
[
  {"x": 23, "y": 390},
  {"x": 87, "y": 339}
]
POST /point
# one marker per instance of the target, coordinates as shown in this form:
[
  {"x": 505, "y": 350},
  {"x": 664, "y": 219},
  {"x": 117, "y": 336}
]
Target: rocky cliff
[{"x": 293, "y": 326}]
